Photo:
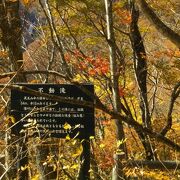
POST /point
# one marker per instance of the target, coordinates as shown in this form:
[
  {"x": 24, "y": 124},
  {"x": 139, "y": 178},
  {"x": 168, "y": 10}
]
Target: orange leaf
[{"x": 121, "y": 92}]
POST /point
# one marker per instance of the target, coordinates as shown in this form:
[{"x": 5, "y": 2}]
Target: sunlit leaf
[
  {"x": 45, "y": 163},
  {"x": 78, "y": 151},
  {"x": 91, "y": 137},
  {"x": 11, "y": 119},
  {"x": 66, "y": 167},
  {"x": 26, "y": 2},
  {"x": 36, "y": 177},
  {"x": 54, "y": 167},
  {"x": 119, "y": 152},
  {"x": 120, "y": 142},
  {"x": 74, "y": 141},
  {"x": 102, "y": 146},
  {"x": 67, "y": 126},
  {"x": 75, "y": 166},
  {"x": 23, "y": 168},
  {"x": 68, "y": 137}
]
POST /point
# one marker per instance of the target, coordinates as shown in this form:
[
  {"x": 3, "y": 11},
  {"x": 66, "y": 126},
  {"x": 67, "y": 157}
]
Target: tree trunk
[
  {"x": 140, "y": 67},
  {"x": 10, "y": 25},
  {"x": 159, "y": 25},
  {"x": 118, "y": 168}
]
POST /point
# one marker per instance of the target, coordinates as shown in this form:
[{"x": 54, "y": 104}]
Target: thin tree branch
[
  {"x": 55, "y": 73},
  {"x": 174, "y": 96},
  {"x": 160, "y": 26},
  {"x": 98, "y": 104},
  {"x": 54, "y": 36}
]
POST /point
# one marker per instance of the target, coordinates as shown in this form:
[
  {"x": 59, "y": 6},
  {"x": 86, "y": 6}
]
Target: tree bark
[
  {"x": 159, "y": 25},
  {"x": 140, "y": 67},
  {"x": 118, "y": 168},
  {"x": 174, "y": 96},
  {"x": 10, "y": 25}
]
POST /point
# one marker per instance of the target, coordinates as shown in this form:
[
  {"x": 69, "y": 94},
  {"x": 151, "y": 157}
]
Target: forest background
[{"x": 129, "y": 50}]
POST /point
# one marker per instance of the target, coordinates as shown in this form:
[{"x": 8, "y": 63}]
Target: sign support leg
[{"x": 84, "y": 173}]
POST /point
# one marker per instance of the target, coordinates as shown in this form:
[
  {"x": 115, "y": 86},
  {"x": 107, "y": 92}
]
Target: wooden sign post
[{"x": 84, "y": 173}]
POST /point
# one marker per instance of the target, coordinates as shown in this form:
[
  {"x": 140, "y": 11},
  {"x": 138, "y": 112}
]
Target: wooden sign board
[{"x": 45, "y": 117}]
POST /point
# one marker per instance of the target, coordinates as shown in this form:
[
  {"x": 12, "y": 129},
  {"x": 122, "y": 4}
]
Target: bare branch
[
  {"x": 55, "y": 73},
  {"x": 174, "y": 96},
  {"x": 54, "y": 36},
  {"x": 160, "y": 26},
  {"x": 98, "y": 104}
]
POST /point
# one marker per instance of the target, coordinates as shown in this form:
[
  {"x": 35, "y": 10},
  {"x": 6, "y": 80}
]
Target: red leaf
[{"x": 121, "y": 92}]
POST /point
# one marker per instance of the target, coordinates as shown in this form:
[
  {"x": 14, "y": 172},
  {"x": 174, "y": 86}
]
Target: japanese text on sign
[{"x": 49, "y": 116}]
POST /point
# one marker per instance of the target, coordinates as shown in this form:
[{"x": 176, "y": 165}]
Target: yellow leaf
[
  {"x": 34, "y": 81},
  {"x": 74, "y": 141},
  {"x": 36, "y": 177},
  {"x": 66, "y": 167},
  {"x": 11, "y": 119},
  {"x": 4, "y": 54},
  {"x": 119, "y": 152},
  {"x": 102, "y": 146},
  {"x": 90, "y": 170},
  {"x": 78, "y": 151},
  {"x": 26, "y": 2},
  {"x": 120, "y": 142},
  {"x": 177, "y": 53},
  {"x": 54, "y": 167},
  {"x": 75, "y": 166},
  {"x": 23, "y": 168},
  {"x": 45, "y": 163},
  {"x": 91, "y": 137},
  {"x": 67, "y": 126},
  {"x": 68, "y": 137}
]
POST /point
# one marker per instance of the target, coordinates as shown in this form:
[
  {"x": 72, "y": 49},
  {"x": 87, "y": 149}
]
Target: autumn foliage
[{"x": 71, "y": 45}]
